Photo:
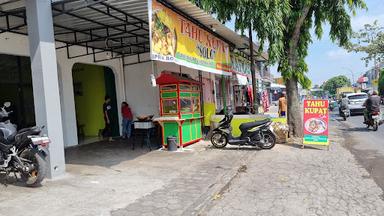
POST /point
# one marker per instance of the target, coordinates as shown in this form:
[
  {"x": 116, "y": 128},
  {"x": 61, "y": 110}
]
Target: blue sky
[{"x": 325, "y": 59}]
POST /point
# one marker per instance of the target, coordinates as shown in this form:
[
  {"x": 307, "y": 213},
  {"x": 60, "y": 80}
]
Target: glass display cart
[{"x": 180, "y": 113}]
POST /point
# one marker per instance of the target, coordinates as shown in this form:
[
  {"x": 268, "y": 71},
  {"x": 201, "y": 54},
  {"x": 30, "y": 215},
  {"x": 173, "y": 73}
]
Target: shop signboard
[
  {"x": 316, "y": 117},
  {"x": 240, "y": 65},
  {"x": 176, "y": 39}
]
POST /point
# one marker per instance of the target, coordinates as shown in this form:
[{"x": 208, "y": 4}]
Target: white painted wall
[
  {"x": 142, "y": 97},
  {"x": 134, "y": 85},
  {"x": 15, "y": 44}
]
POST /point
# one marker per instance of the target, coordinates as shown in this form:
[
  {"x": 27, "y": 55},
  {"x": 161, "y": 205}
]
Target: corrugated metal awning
[
  {"x": 9, "y": 5},
  {"x": 117, "y": 26}
]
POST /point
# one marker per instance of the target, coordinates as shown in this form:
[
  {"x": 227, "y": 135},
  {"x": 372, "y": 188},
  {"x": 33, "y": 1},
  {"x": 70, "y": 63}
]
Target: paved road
[
  {"x": 289, "y": 181},
  {"x": 357, "y": 122},
  {"x": 366, "y": 145}
]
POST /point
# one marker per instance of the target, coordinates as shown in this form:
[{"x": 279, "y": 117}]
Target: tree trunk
[
  {"x": 294, "y": 114},
  {"x": 295, "y": 121}
]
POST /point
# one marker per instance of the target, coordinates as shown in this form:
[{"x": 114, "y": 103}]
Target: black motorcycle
[
  {"x": 22, "y": 153},
  {"x": 374, "y": 120},
  {"x": 257, "y": 133},
  {"x": 344, "y": 113}
]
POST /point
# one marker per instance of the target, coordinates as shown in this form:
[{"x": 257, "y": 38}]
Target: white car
[{"x": 356, "y": 101}]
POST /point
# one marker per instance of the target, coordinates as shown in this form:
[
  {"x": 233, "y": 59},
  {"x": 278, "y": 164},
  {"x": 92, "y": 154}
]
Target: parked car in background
[{"x": 356, "y": 101}]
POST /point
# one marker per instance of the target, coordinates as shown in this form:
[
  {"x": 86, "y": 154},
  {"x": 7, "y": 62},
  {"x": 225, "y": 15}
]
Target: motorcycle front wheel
[
  {"x": 269, "y": 140},
  {"x": 37, "y": 168},
  {"x": 219, "y": 140}
]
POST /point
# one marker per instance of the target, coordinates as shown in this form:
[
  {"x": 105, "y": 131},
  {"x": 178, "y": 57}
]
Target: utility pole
[
  {"x": 377, "y": 73},
  {"x": 352, "y": 74},
  {"x": 253, "y": 73}
]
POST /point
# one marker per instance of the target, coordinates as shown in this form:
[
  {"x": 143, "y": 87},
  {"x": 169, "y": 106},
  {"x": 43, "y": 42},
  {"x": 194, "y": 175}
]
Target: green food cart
[{"x": 180, "y": 113}]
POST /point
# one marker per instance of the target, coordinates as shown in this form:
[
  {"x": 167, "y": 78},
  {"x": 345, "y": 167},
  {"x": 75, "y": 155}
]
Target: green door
[{"x": 110, "y": 90}]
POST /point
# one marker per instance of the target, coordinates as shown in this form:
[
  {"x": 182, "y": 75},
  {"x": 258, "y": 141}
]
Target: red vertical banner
[
  {"x": 316, "y": 122},
  {"x": 265, "y": 100}
]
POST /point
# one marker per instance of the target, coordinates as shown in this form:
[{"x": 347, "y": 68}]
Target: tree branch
[
  {"x": 299, "y": 23},
  {"x": 296, "y": 35}
]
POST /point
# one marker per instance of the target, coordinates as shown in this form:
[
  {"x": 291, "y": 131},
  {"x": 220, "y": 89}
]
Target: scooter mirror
[{"x": 7, "y": 104}]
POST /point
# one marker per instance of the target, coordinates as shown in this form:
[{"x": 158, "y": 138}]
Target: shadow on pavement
[
  {"x": 11, "y": 179},
  {"x": 300, "y": 146},
  {"x": 252, "y": 148},
  {"x": 234, "y": 148},
  {"x": 340, "y": 119},
  {"x": 105, "y": 153},
  {"x": 356, "y": 129}
]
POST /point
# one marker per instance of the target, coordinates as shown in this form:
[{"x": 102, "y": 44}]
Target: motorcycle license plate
[{"x": 375, "y": 117}]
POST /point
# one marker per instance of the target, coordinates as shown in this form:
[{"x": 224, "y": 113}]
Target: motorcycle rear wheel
[
  {"x": 269, "y": 140},
  {"x": 219, "y": 140},
  {"x": 38, "y": 165}
]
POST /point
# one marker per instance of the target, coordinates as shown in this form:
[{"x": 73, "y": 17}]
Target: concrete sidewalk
[
  {"x": 114, "y": 180},
  {"x": 105, "y": 180},
  {"x": 273, "y": 111}
]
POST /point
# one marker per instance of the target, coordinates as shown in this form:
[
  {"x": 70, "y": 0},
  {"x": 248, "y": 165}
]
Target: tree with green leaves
[
  {"x": 381, "y": 82},
  {"x": 369, "y": 40},
  {"x": 286, "y": 26},
  {"x": 336, "y": 82}
]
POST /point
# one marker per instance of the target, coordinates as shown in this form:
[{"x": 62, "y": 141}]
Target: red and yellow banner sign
[
  {"x": 316, "y": 117},
  {"x": 176, "y": 39}
]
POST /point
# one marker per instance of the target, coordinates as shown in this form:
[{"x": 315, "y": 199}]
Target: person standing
[
  {"x": 283, "y": 105},
  {"x": 107, "y": 111},
  {"x": 127, "y": 120}
]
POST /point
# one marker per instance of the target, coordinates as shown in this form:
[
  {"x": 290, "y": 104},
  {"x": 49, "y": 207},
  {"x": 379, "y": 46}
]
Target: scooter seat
[{"x": 246, "y": 126}]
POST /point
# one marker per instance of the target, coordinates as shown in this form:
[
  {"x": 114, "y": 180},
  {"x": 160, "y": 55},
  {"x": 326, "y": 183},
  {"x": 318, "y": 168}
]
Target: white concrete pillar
[{"x": 45, "y": 80}]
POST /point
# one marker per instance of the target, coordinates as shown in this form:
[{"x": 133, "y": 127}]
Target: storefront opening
[
  {"x": 91, "y": 84},
  {"x": 16, "y": 87}
]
